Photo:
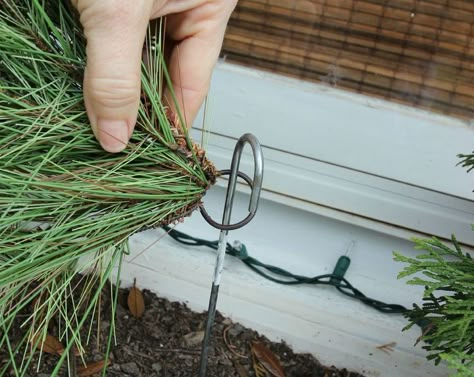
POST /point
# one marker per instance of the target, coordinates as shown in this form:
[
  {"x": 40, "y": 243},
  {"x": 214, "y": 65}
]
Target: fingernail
[{"x": 113, "y": 135}]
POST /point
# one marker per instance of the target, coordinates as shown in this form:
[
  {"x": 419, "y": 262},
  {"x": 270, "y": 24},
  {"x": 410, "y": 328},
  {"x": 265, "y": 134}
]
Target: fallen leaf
[
  {"x": 259, "y": 369},
  {"x": 76, "y": 350},
  {"x": 194, "y": 338},
  {"x": 50, "y": 344},
  {"x": 135, "y": 301},
  {"x": 92, "y": 368},
  {"x": 240, "y": 369},
  {"x": 267, "y": 359}
]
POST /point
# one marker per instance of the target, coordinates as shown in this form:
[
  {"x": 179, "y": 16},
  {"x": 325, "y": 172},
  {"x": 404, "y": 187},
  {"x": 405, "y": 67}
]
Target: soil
[{"x": 166, "y": 342}]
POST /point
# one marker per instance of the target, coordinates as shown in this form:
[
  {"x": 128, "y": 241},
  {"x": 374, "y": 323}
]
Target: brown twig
[
  {"x": 387, "y": 348},
  {"x": 229, "y": 345},
  {"x": 425, "y": 332}
]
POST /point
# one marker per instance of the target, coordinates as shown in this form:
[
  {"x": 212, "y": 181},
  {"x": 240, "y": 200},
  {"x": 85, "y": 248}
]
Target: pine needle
[{"x": 66, "y": 206}]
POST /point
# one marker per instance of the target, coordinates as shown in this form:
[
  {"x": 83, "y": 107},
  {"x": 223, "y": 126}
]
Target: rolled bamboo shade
[{"x": 417, "y": 52}]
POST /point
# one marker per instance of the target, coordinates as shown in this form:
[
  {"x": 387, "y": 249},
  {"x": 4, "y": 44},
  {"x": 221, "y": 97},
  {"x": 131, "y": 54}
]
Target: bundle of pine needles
[{"x": 66, "y": 206}]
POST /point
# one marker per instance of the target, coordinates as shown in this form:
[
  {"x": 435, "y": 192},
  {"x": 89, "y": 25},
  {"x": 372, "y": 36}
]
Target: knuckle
[
  {"x": 114, "y": 93},
  {"x": 108, "y": 12}
]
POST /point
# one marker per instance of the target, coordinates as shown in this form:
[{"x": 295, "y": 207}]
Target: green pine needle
[
  {"x": 467, "y": 161},
  {"x": 66, "y": 206}
]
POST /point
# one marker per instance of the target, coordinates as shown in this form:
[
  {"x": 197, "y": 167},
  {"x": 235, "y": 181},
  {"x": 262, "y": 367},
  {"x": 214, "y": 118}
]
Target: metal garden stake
[{"x": 225, "y": 226}]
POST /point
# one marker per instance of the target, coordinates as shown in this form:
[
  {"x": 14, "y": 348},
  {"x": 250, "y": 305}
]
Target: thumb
[{"x": 115, "y": 32}]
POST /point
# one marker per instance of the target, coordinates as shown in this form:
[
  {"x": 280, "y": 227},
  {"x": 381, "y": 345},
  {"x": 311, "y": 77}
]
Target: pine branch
[{"x": 67, "y": 207}]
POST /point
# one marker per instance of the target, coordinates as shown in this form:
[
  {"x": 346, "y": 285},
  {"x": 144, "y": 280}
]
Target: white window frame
[{"x": 366, "y": 161}]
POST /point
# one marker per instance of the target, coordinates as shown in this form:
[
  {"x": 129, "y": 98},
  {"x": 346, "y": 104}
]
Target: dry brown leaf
[
  {"x": 135, "y": 301},
  {"x": 194, "y": 338},
  {"x": 92, "y": 368},
  {"x": 267, "y": 359},
  {"x": 51, "y": 344},
  {"x": 240, "y": 369},
  {"x": 258, "y": 368},
  {"x": 76, "y": 351}
]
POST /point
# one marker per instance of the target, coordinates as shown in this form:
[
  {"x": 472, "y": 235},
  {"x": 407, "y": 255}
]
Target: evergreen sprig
[
  {"x": 447, "y": 312},
  {"x": 66, "y": 206},
  {"x": 464, "y": 364},
  {"x": 467, "y": 161}
]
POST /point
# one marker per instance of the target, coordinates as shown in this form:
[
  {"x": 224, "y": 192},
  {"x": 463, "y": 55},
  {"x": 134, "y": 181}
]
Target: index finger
[{"x": 199, "y": 34}]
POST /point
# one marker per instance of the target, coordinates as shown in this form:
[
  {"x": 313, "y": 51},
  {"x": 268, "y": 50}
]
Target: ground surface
[{"x": 166, "y": 342}]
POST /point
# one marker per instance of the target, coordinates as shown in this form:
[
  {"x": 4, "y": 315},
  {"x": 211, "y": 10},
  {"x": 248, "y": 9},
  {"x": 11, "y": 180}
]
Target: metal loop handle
[
  {"x": 238, "y": 225},
  {"x": 234, "y": 173}
]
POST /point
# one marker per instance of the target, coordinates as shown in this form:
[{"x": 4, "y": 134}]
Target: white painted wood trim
[{"x": 383, "y": 165}]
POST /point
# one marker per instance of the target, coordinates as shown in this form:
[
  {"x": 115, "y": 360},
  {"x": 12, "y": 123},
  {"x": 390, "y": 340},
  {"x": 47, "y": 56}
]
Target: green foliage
[
  {"x": 447, "y": 273},
  {"x": 464, "y": 364},
  {"x": 66, "y": 206},
  {"x": 467, "y": 161}
]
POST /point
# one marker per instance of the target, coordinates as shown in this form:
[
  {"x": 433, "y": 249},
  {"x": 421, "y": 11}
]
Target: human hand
[{"x": 115, "y": 32}]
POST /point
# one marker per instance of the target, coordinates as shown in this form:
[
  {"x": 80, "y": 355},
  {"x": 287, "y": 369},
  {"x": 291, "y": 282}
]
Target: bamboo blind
[{"x": 418, "y": 52}]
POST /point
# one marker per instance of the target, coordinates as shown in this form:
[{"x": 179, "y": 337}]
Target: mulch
[{"x": 166, "y": 341}]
